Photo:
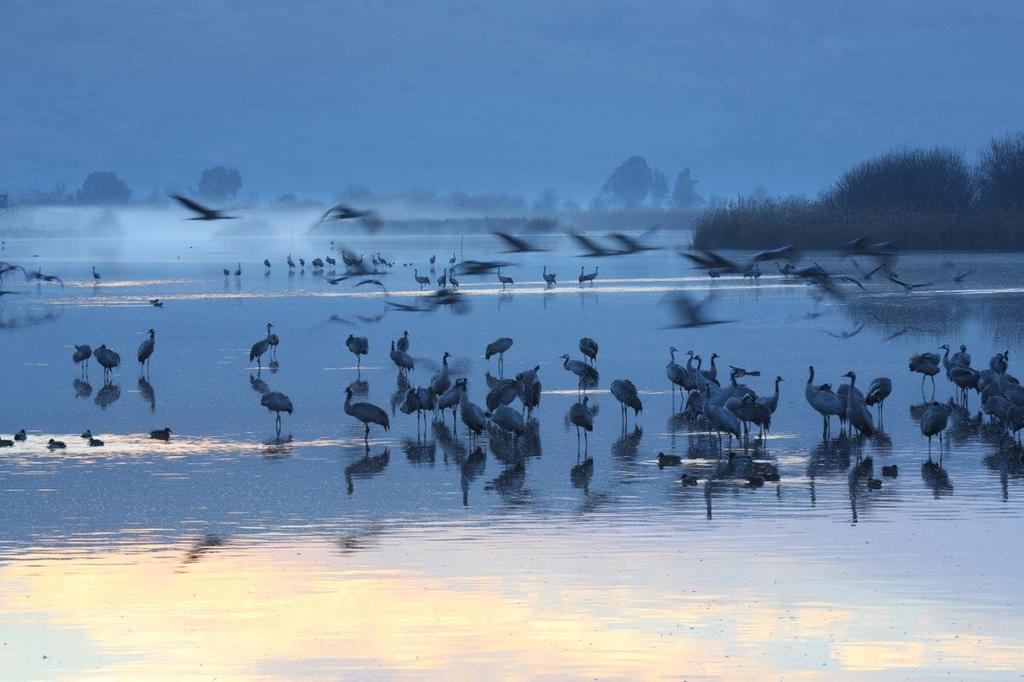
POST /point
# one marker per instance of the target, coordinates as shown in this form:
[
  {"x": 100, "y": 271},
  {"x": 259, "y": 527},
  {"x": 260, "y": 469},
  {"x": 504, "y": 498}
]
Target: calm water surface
[{"x": 230, "y": 554}]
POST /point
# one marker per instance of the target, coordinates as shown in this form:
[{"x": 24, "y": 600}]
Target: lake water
[{"x": 228, "y": 553}]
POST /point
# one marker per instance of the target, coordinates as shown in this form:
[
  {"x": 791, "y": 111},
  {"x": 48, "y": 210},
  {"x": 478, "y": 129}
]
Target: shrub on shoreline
[{"x": 921, "y": 199}]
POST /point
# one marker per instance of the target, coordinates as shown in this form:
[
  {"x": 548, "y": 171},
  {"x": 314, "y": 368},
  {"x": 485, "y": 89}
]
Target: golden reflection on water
[{"x": 441, "y": 603}]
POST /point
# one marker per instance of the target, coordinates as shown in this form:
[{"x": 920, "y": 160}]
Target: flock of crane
[{"x": 723, "y": 405}]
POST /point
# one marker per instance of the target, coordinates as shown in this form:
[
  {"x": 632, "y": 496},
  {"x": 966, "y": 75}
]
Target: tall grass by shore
[{"x": 818, "y": 225}]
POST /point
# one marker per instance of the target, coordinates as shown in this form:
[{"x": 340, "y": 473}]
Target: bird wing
[
  {"x": 589, "y": 244},
  {"x": 847, "y": 278},
  {"x": 787, "y": 252},
  {"x": 628, "y": 243},
  {"x": 515, "y": 243},
  {"x": 191, "y": 205}
]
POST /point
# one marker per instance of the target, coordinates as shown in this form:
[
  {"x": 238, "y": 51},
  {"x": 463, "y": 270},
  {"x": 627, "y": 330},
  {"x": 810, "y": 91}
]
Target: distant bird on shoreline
[{"x": 202, "y": 212}]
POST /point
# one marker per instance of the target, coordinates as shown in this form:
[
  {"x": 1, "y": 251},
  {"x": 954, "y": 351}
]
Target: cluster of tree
[
  {"x": 548, "y": 202},
  {"x": 921, "y": 198},
  {"x": 635, "y": 184},
  {"x": 106, "y": 188}
]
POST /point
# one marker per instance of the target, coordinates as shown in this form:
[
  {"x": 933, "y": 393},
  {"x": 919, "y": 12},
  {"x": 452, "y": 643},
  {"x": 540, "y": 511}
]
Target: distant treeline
[{"x": 922, "y": 199}]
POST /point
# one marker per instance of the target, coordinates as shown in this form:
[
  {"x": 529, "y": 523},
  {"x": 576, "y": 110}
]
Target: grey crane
[
  {"x": 367, "y": 413},
  {"x": 505, "y": 280},
  {"x": 934, "y": 421},
  {"x": 857, "y": 411},
  {"x": 261, "y": 347},
  {"x": 625, "y": 392},
  {"x": 95, "y": 275},
  {"x": 529, "y": 389},
  {"x": 107, "y": 358},
  {"x": 825, "y": 402},
  {"x": 81, "y": 357},
  {"x": 712, "y": 373},
  {"x": 498, "y": 347},
  {"x": 420, "y": 279},
  {"x": 509, "y": 421},
  {"x": 503, "y": 393},
  {"x": 549, "y": 277},
  {"x": 927, "y": 365},
  {"x": 587, "y": 276},
  {"x": 291, "y": 263},
  {"x": 878, "y": 391},
  {"x": 472, "y": 415},
  {"x": 772, "y": 401},
  {"x": 401, "y": 359},
  {"x": 403, "y": 342},
  {"x": 587, "y": 375},
  {"x": 450, "y": 399},
  {"x": 675, "y": 373},
  {"x": 720, "y": 419},
  {"x": 440, "y": 382},
  {"x": 277, "y": 402},
  {"x": 274, "y": 342},
  {"x": 581, "y": 418},
  {"x": 589, "y": 348},
  {"x": 146, "y": 349},
  {"x": 358, "y": 346}
]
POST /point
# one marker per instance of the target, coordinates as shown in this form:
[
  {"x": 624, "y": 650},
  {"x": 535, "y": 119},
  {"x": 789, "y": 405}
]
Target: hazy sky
[{"x": 309, "y": 96}]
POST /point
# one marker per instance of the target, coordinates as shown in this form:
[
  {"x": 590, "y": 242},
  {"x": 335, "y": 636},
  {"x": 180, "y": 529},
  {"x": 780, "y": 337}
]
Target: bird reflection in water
[
  {"x": 360, "y": 387},
  {"x": 626, "y": 446},
  {"x": 401, "y": 388},
  {"x": 147, "y": 393},
  {"x": 859, "y": 476},
  {"x": 357, "y": 541},
  {"x": 450, "y": 446},
  {"x": 580, "y": 475},
  {"x": 936, "y": 478},
  {"x": 107, "y": 395},
  {"x": 509, "y": 483},
  {"x": 204, "y": 545},
  {"x": 470, "y": 469},
  {"x": 258, "y": 385},
  {"x": 366, "y": 468},
  {"x": 419, "y": 451},
  {"x": 83, "y": 389},
  {"x": 278, "y": 447}
]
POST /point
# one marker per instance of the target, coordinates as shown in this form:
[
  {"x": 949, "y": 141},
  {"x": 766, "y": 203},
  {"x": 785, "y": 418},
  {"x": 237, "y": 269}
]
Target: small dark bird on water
[
  {"x": 668, "y": 460},
  {"x": 161, "y": 434}
]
